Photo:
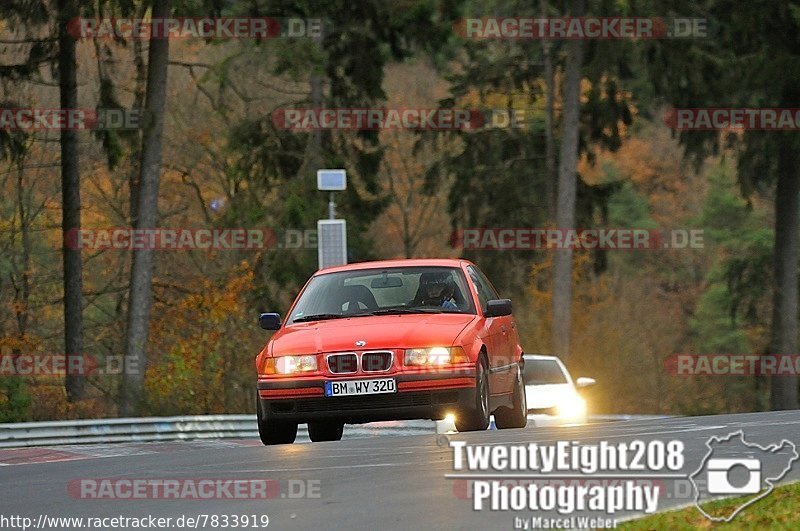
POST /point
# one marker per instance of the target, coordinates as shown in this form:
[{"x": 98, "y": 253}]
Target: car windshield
[
  {"x": 544, "y": 372},
  {"x": 397, "y": 290}
]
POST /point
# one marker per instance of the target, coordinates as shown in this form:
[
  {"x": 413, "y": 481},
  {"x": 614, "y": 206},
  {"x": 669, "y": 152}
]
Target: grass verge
[{"x": 779, "y": 510}]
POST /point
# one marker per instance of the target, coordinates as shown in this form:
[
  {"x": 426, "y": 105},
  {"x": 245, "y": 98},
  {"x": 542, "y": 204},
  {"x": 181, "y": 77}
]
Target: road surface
[{"x": 367, "y": 483}]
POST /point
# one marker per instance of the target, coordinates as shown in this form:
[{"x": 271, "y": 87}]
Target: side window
[
  {"x": 489, "y": 288},
  {"x": 485, "y": 291}
]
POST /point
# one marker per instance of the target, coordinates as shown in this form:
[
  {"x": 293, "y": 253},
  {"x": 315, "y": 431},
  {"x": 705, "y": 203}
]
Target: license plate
[{"x": 377, "y": 386}]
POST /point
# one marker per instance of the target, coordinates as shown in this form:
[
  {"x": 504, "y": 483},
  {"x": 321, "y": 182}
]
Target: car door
[{"x": 499, "y": 333}]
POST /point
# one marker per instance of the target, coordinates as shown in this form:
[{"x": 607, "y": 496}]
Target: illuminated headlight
[
  {"x": 573, "y": 407},
  {"x": 290, "y": 364},
  {"x": 435, "y": 356}
]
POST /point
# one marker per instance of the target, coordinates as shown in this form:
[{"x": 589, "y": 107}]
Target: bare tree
[
  {"x": 785, "y": 303},
  {"x": 141, "y": 289},
  {"x": 549, "y": 120},
  {"x": 71, "y": 200},
  {"x": 567, "y": 190},
  {"x": 414, "y": 211}
]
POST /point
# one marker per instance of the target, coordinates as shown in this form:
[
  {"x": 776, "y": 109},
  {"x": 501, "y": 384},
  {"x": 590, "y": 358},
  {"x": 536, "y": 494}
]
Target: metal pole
[{"x": 331, "y": 208}]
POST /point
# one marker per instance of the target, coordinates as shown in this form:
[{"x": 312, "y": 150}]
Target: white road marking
[
  {"x": 608, "y": 436},
  {"x": 253, "y": 471},
  {"x": 563, "y": 476}
]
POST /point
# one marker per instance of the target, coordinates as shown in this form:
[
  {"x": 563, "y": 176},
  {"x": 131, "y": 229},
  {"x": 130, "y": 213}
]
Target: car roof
[
  {"x": 542, "y": 357},
  {"x": 408, "y": 262}
]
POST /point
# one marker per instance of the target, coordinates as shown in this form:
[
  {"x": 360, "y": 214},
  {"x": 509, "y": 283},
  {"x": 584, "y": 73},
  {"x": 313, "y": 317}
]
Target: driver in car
[{"x": 436, "y": 289}]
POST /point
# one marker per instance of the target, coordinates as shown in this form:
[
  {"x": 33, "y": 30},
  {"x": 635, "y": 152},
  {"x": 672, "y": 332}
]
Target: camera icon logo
[
  {"x": 748, "y": 478},
  {"x": 720, "y": 471}
]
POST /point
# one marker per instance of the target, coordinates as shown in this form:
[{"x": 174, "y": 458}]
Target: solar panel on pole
[
  {"x": 331, "y": 180},
  {"x": 331, "y": 242}
]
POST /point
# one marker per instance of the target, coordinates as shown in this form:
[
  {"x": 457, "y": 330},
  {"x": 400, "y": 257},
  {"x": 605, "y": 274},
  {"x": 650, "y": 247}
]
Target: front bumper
[
  {"x": 418, "y": 396},
  {"x": 550, "y": 416}
]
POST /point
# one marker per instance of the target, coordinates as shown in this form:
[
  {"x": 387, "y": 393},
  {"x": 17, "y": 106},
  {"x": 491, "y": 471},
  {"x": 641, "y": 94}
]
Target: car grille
[
  {"x": 380, "y": 361},
  {"x": 349, "y": 403},
  {"x": 343, "y": 363},
  {"x": 369, "y": 362}
]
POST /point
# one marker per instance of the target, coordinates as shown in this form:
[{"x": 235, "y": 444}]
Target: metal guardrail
[
  {"x": 62, "y": 432},
  {"x": 126, "y": 430},
  {"x": 52, "y": 433}
]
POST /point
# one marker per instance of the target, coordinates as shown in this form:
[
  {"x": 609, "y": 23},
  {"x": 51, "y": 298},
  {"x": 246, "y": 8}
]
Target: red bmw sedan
[{"x": 391, "y": 340}]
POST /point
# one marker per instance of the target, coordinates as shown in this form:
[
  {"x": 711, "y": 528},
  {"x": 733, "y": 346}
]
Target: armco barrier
[
  {"x": 192, "y": 427},
  {"x": 126, "y": 430},
  {"x": 168, "y": 429}
]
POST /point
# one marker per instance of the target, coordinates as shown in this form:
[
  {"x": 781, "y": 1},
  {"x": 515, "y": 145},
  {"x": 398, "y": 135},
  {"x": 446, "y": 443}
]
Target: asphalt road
[{"x": 369, "y": 483}]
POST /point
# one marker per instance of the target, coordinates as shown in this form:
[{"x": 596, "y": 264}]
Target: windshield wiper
[
  {"x": 400, "y": 311},
  {"x": 317, "y": 317}
]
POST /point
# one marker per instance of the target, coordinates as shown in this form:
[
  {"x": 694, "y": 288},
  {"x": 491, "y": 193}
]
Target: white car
[{"x": 552, "y": 396}]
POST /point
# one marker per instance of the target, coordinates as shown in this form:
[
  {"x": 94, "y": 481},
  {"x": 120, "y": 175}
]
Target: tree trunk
[
  {"x": 314, "y": 158},
  {"x": 549, "y": 120},
  {"x": 567, "y": 190},
  {"x": 138, "y": 105},
  {"x": 22, "y": 292},
  {"x": 317, "y": 101},
  {"x": 785, "y": 299},
  {"x": 141, "y": 296},
  {"x": 71, "y": 201}
]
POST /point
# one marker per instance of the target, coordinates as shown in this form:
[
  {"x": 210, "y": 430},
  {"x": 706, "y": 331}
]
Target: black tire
[
  {"x": 476, "y": 417},
  {"x": 325, "y": 431},
  {"x": 516, "y": 416},
  {"x": 274, "y": 432}
]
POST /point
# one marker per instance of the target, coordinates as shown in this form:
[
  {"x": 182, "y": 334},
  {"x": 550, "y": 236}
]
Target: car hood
[
  {"x": 379, "y": 332},
  {"x": 546, "y": 396}
]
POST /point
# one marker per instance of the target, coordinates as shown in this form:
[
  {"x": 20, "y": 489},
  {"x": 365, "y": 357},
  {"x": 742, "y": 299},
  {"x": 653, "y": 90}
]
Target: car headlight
[
  {"x": 435, "y": 356},
  {"x": 573, "y": 407},
  {"x": 291, "y": 364}
]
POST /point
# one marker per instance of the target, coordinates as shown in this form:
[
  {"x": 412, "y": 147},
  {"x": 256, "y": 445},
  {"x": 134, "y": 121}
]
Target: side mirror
[
  {"x": 498, "y": 308},
  {"x": 584, "y": 382},
  {"x": 269, "y": 321}
]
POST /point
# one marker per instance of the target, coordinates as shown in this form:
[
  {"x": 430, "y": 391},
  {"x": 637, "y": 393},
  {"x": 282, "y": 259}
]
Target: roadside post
[{"x": 331, "y": 232}]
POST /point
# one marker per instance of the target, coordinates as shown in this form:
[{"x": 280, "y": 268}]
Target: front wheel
[
  {"x": 325, "y": 431},
  {"x": 476, "y": 417},
  {"x": 517, "y": 415},
  {"x": 273, "y": 431}
]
